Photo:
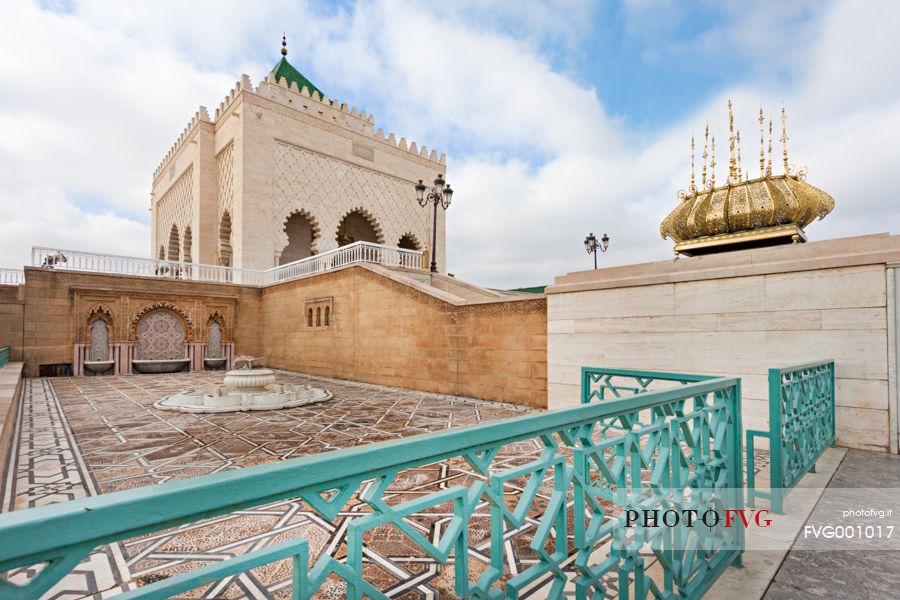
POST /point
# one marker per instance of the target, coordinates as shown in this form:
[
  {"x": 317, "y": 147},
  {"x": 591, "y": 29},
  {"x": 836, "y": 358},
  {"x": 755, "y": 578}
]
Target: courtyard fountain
[{"x": 244, "y": 388}]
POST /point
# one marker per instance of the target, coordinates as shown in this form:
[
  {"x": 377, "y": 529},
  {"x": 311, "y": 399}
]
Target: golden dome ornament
[{"x": 765, "y": 211}]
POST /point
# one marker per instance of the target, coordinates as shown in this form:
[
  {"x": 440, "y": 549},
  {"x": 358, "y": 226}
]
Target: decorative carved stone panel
[
  {"x": 224, "y": 171},
  {"x": 330, "y": 189},
  {"x": 175, "y": 208}
]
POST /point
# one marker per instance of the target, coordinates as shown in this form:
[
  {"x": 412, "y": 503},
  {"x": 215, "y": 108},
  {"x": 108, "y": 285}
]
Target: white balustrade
[
  {"x": 11, "y": 277},
  {"x": 54, "y": 258}
]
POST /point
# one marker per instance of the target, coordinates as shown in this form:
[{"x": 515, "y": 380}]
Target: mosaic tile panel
[
  {"x": 99, "y": 340},
  {"x": 160, "y": 336},
  {"x": 214, "y": 341}
]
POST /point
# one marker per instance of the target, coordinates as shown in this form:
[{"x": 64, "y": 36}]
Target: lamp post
[
  {"x": 591, "y": 245},
  {"x": 439, "y": 194}
]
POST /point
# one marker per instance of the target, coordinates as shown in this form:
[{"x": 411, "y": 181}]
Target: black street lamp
[
  {"x": 438, "y": 195},
  {"x": 591, "y": 245}
]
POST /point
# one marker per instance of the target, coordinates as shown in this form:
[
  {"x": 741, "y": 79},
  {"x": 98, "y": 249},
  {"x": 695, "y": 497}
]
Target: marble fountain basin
[
  {"x": 244, "y": 390},
  {"x": 168, "y": 365},
  {"x": 99, "y": 367},
  {"x": 214, "y": 363}
]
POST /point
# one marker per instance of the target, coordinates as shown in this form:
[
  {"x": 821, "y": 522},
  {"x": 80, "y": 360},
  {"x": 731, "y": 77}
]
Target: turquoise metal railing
[
  {"x": 4, "y": 356},
  {"x": 801, "y": 427},
  {"x": 600, "y": 384},
  {"x": 609, "y": 384},
  {"x": 690, "y": 438}
]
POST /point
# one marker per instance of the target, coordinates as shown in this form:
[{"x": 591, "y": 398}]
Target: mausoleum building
[{"x": 280, "y": 172}]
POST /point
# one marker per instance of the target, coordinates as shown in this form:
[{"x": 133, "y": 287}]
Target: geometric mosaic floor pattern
[{"x": 87, "y": 435}]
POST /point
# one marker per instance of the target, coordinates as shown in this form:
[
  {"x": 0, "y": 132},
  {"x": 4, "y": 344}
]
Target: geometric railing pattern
[
  {"x": 4, "y": 355},
  {"x": 610, "y": 384},
  {"x": 801, "y": 428},
  {"x": 676, "y": 448}
]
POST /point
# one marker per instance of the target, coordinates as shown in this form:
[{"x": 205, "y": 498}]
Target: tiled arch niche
[{"x": 207, "y": 324}]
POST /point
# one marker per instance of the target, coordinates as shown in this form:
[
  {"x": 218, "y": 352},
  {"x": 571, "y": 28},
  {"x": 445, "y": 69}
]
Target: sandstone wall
[
  {"x": 57, "y": 304},
  {"x": 382, "y": 327},
  {"x": 740, "y": 314},
  {"x": 12, "y": 311},
  {"x": 392, "y": 333}
]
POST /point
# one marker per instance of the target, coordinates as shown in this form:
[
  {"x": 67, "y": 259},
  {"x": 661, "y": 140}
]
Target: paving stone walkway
[{"x": 859, "y": 569}]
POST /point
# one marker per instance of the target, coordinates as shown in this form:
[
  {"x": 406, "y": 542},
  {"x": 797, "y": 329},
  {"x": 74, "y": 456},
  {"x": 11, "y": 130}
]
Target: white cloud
[{"x": 96, "y": 97}]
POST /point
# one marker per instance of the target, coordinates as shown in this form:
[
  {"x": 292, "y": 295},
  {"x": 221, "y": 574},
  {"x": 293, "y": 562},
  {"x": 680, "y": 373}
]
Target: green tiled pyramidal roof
[{"x": 285, "y": 69}]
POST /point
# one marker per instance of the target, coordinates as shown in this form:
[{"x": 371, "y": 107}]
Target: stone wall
[
  {"x": 740, "y": 314},
  {"x": 381, "y": 327},
  {"x": 391, "y": 331},
  {"x": 59, "y": 304},
  {"x": 12, "y": 310}
]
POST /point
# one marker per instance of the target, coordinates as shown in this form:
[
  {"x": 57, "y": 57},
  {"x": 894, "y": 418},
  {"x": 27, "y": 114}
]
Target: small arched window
[
  {"x": 309, "y": 318},
  {"x": 327, "y": 316},
  {"x": 318, "y": 316}
]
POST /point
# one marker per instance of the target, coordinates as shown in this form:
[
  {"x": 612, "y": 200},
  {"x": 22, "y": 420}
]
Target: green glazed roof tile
[{"x": 285, "y": 69}]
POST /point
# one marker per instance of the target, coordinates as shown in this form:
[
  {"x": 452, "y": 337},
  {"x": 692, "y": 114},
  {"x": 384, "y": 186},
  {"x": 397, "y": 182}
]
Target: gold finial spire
[
  {"x": 762, "y": 143},
  {"x": 705, "y": 155},
  {"x": 693, "y": 181},
  {"x": 712, "y": 164},
  {"x": 769, "y": 165},
  {"x": 784, "y": 137},
  {"x": 740, "y": 170},
  {"x": 284, "y": 44},
  {"x": 732, "y": 163}
]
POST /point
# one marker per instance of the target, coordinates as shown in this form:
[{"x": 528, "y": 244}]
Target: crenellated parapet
[
  {"x": 201, "y": 116},
  {"x": 333, "y": 111},
  {"x": 311, "y": 103}
]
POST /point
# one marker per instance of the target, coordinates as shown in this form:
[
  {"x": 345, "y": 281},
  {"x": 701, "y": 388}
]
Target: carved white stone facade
[
  {"x": 274, "y": 150},
  {"x": 225, "y": 179},
  {"x": 329, "y": 189},
  {"x": 175, "y": 208}
]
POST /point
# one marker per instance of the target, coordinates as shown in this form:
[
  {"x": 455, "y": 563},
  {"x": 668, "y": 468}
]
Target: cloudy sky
[{"x": 558, "y": 118}]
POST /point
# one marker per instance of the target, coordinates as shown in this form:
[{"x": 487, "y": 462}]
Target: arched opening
[
  {"x": 319, "y": 317},
  {"x": 356, "y": 227},
  {"x": 160, "y": 336},
  {"x": 327, "y": 316},
  {"x": 309, "y": 318},
  {"x": 188, "y": 241},
  {"x": 409, "y": 242},
  {"x": 300, "y": 233},
  {"x": 174, "y": 245},
  {"x": 224, "y": 251}
]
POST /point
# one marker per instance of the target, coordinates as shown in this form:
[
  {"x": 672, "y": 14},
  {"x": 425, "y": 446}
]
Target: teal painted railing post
[
  {"x": 776, "y": 473},
  {"x": 585, "y": 385},
  {"x": 833, "y": 403},
  {"x": 4, "y": 356},
  {"x": 801, "y": 428}
]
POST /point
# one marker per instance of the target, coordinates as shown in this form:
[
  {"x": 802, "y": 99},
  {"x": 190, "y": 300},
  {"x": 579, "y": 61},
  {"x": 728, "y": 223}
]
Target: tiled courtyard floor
[
  {"x": 89, "y": 435},
  {"x": 84, "y": 436}
]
